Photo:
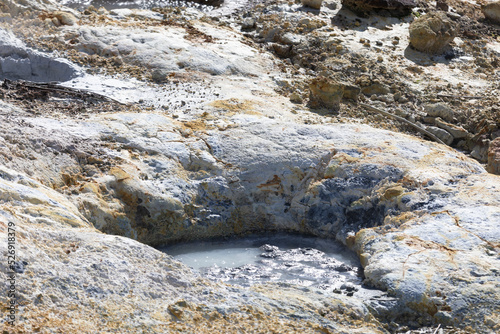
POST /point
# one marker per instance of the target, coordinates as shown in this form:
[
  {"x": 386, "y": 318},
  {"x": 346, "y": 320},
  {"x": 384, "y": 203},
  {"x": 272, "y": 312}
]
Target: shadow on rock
[
  {"x": 346, "y": 18},
  {"x": 424, "y": 59}
]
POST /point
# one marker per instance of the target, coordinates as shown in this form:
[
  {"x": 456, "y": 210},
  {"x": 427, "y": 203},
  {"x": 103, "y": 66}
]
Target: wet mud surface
[{"x": 298, "y": 260}]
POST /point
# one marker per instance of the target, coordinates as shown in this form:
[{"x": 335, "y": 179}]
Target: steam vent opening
[{"x": 306, "y": 261}]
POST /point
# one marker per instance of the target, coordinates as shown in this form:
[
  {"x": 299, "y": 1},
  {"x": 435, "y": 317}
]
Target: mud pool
[{"x": 292, "y": 259}]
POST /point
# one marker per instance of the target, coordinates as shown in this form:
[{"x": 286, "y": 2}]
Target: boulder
[
  {"x": 494, "y": 157},
  {"x": 492, "y": 11},
  {"x": 432, "y": 32},
  {"x": 325, "y": 92},
  {"x": 394, "y": 7}
]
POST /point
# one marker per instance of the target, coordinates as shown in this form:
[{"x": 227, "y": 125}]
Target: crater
[{"x": 300, "y": 260}]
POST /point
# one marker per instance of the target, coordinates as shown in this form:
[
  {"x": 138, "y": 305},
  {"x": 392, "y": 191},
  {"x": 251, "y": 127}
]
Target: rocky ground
[{"x": 171, "y": 124}]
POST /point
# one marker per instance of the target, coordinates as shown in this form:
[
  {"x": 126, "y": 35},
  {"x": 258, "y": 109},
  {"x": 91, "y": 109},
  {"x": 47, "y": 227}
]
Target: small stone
[
  {"x": 393, "y": 192},
  {"x": 296, "y": 98},
  {"x": 282, "y": 50},
  {"x": 456, "y": 131},
  {"x": 376, "y": 89},
  {"x": 440, "y": 110},
  {"x": 291, "y": 39},
  {"x": 444, "y": 135},
  {"x": 453, "y": 16},
  {"x": 442, "y": 5},
  {"x": 159, "y": 75},
  {"x": 351, "y": 92},
  {"x": 494, "y": 157},
  {"x": 248, "y": 23},
  {"x": 325, "y": 92},
  {"x": 315, "y": 4},
  {"x": 102, "y": 11},
  {"x": 66, "y": 18},
  {"x": 480, "y": 152},
  {"x": 432, "y": 32},
  {"x": 56, "y": 22},
  {"x": 492, "y": 11}
]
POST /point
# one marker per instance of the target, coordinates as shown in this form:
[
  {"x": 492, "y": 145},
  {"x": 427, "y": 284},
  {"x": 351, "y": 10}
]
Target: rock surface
[
  {"x": 432, "y": 32},
  {"x": 82, "y": 176}
]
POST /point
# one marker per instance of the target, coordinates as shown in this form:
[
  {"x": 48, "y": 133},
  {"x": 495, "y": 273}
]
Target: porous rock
[
  {"x": 432, "y": 32},
  {"x": 492, "y": 11},
  {"x": 394, "y": 7}
]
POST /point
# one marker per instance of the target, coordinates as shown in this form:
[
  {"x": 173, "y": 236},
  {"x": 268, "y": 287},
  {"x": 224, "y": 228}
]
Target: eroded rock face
[
  {"x": 394, "y": 7},
  {"x": 492, "y": 11},
  {"x": 432, "y": 32}
]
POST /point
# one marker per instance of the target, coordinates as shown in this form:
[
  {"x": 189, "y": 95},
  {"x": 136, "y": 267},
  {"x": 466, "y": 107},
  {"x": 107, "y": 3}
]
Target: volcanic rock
[{"x": 432, "y": 32}]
